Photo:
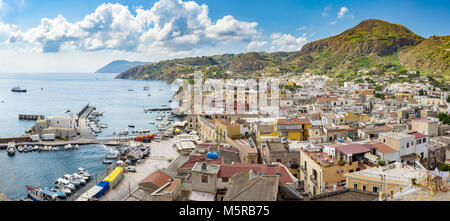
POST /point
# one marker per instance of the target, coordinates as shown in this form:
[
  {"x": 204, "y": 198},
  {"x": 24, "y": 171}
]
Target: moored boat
[
  {"x": 39, "y": 194},
  {"x": 11, "y": 149},
  {"x": 18, "y": 89}
]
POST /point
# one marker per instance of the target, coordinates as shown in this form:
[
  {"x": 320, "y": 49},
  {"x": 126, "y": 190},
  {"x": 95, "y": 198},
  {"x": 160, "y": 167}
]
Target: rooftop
[
  {"x": 210, "y": 168},
  {"x": 354, "y": 148},
  {"x": 383, "y": 148},
  {"x": 293, "y": 121},
  {"x": 228, "y": 170},
  {"x": 321, "y": 157},
  {"x": 249, "y": 186},
  {"x": 396, "y": 135},
  {"x": 418, "y": 135},
  {"x": 346, "y": 195},
  {"x": 157, "y": 178}
]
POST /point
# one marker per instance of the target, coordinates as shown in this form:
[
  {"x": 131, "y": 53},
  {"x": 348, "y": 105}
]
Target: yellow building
[
  {"x": 357, "y": 117},
  {"x": 266, "y": 131},
  {"x": 389, "y": 181},
  {"x": 321, "y": 173},
  {"x": 294, "y": 128},
  {"x": 404, "y": 94},
  {"x": 225, "y": 129}
]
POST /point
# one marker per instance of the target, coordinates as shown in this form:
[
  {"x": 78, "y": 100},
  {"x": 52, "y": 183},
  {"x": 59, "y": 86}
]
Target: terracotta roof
[
  {"x": 293, "y": 121},
  {"x": 157, "y": 178},
  {"x": 191, "y": 162},
  {"x": 227, "y": 171},
  {"x": 321, "y": 157},
  {"x": 418, "y": 135},
  {"x": 354, "y": 148},
  {"x": 424, "y": 120},
  {"x": 383, "y": 148},
  {"x": 173, "y": 185}
]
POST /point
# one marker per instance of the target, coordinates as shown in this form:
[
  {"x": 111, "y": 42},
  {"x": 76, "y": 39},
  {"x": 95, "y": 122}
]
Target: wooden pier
[{"x": 31, "y": 117}]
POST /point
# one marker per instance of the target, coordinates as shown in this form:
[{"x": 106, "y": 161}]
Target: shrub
[
  {"x": 413, "y": 181},
  {"x": 381, "y": 163},
  {"x": 341, "y": 162},
  {"x": 444, "y": 167}
]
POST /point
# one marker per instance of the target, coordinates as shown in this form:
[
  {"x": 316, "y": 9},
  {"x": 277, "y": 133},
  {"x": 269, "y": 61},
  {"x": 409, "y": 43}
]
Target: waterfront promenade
[{"x": 158, "y": 159}]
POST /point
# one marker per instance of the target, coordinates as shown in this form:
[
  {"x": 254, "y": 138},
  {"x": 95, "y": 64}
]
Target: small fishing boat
[
  {"x": 55, "y": 148},
  {"x": 25, "y": 149},
  {"x": 170, "y": 101},
  {"x": 152, "y": 122},
  {"x": 159, "y": 118},
  {"x": 18, "y": 89},
  {"x": 20, "y": 149},
  {"x": 30, "y": 148},
  {"x": 131, "y": 125},
  {"x": 107, "y": 162},
  {"x": 76, "y": 146},
  {"x": 103, "y": 125},
  {"x": 39, "y": 194},
  {"x": 72, "y": 180},
  {"x": 112, "y": 155}
]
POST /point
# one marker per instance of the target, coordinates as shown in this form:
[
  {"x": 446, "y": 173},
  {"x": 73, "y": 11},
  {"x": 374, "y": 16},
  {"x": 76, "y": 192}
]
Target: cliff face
[{"x": 370, "y": 43}]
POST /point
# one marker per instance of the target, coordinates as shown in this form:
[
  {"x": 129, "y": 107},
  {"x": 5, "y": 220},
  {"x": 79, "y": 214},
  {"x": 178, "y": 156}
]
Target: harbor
[{"x": 110, "y": 97}]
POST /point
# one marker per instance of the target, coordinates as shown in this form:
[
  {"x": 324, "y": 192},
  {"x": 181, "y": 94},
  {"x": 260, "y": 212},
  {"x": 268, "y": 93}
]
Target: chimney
[{"x": 203, "y": 166}]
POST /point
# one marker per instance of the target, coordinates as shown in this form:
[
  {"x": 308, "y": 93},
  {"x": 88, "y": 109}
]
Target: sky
[{"x": 84, "y": 35}]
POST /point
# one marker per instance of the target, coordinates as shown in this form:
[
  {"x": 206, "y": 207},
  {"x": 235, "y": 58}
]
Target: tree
[
  {"x": 381, "y": 163},
  {"x": 341, "y": 162},
  {"x": 421, "y": 92},
  {"x": 444, "y": 167}
]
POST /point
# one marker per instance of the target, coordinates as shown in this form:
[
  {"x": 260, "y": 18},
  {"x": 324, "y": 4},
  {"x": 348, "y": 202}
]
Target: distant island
[{"x": 120, "y": 66}]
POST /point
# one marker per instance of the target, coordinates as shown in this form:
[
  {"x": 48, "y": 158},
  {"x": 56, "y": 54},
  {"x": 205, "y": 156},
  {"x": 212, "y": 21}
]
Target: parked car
[{"x": 130, "y": 169}]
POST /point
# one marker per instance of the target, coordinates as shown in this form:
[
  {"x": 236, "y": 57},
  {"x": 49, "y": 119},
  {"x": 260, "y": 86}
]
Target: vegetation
[
  {"x": 381, "y": 163},
  {"x": 444, "y": 167},
  {"x": 413, "y": 181},
  {"x": 341, "y": 162},
  {"x": 376, "y": 47},
  {"x": 444, "y": 118}
]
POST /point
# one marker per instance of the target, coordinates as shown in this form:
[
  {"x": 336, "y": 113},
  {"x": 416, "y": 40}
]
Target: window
[
  {"x": 407, "y": 145},
  {"x": 364, "y": 187},
  {"x": 350, "y": 171},
  {"x": 375, "y": 189},
  {"x": 224, "y": 179},
  {"x": 204, "y": 179},
  {"x": 355, "y": 186},
  {"x": 424, "y": 140}
]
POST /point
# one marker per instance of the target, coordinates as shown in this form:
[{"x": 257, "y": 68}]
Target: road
[{"x": 158, "y": 159}]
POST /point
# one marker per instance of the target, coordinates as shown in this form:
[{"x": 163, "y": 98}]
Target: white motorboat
[
  {"x": 103, "y": 125},
  {"x": 131, "y": 125},
  {"x": 55, "y": 148},
  {"x": 83, "y": 172},
  {"x": 73, "y": 180},
  {"x": 68, "y": 147},
  {"x": 152, "y": 122},
  {"x": 82, "y": 179},
  {"x": 20, "y": 148},
  {"x": 159, "y": 118},
  {"x": 60, "y": 182},
  {"x": 11, "y": 149},
  {"x": 107, "y": 162},
  {"x": 76, "y": 146},
  {"x": 60, "y": 193}
]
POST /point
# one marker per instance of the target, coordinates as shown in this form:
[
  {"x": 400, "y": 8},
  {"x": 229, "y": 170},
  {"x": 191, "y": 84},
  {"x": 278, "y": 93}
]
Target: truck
[
  {"x": 34, "y": 137},
  {"x": 48, "y": 137}
]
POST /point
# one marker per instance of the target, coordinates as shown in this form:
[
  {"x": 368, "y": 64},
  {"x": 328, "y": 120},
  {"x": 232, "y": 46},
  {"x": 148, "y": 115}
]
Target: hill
[
  {"x": 371, "y": 44},
  {"x": 431, "y": 55},
  {"x": 120, "y": 66}
]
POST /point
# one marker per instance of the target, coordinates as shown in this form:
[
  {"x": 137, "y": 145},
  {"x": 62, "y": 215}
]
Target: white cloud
[
  {"x": 333, "y": 22},
  {"x": 170, "y": 24},
  {"x": 287, "y": 42},
  {"x": 342, "y": 12},
  {"x": 325, "y": 10},
  {"x": 301, "y": 28},
  {"x": 256, "y": 45},
  {"x": 1, "y": 4}
]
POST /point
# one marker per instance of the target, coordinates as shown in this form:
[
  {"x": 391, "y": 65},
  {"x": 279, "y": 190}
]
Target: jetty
[
  {"x": 158, "y": 109},
  {"x": 31, "y": 117}
]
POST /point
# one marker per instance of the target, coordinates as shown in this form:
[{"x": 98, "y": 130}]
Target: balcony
[{"x": 313, "y": 179}]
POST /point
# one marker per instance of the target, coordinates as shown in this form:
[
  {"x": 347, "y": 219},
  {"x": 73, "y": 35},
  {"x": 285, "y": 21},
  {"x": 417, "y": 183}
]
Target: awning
[
  {"x": 409, "y": 157},
  {"x": 371, "y": 157},
  {"x": 201, "y": 196}
]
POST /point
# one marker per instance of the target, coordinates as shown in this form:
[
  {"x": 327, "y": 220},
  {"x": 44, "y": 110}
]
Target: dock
[
  {"x": 158, "y": 109},
  {"x": 31, "y": 117}
]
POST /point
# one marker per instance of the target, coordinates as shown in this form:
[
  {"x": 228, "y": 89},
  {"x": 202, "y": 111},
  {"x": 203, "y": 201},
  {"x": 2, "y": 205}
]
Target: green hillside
[{"x": 371, "y": 45}]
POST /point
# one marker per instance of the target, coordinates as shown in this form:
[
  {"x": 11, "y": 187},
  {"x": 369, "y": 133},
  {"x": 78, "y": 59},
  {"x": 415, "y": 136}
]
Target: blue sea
[{"x": 52, "y": 94}]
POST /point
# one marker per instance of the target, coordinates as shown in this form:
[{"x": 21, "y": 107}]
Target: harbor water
[{"x": 52, "y": 94}]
